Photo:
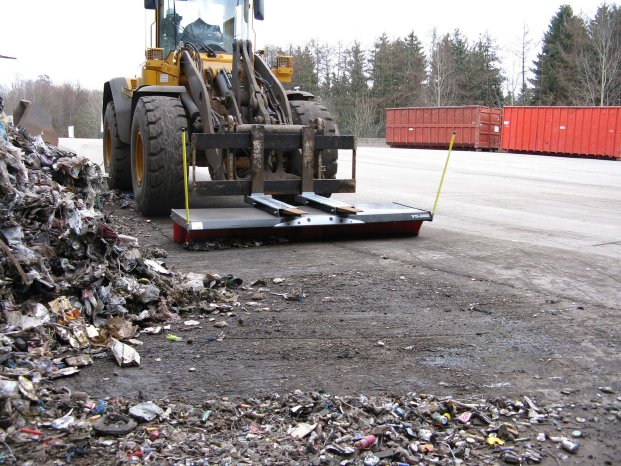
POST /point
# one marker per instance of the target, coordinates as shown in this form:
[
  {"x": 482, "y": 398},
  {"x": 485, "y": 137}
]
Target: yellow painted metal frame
[
  {"x": 167, "y": 72},
  {"x": 284, "y": 68}
]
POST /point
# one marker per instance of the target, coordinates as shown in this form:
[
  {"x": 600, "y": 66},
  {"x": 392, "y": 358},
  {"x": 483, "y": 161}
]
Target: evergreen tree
[
  {"x": 556, "y": 68},
  {"x": 382, "y": 72},
  {"x": 463, "y": 64},
  {"x": 484, "y": 77},
  {"x": 305, "y": 69},
  {"x": 356, "y": 70},
  {"x": 413, "y": 72},
  {"x": 397, "y": 72},
  {"x": 350, "y": 98},
  {"x": 477, "y": 79}
]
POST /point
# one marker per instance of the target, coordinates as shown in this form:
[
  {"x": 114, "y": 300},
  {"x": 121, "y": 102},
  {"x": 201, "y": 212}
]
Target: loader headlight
[{"x": 155, "y": 54}]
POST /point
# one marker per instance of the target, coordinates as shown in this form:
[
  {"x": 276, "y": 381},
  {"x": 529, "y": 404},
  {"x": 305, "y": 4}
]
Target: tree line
[
  {"x": 580, "y": 60},
  {"x": 578, "y": 64},
  {"x": 69, "y": 104}
]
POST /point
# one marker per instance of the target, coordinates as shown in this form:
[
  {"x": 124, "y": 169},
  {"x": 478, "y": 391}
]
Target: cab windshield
[{"x": 206, "y": 24}]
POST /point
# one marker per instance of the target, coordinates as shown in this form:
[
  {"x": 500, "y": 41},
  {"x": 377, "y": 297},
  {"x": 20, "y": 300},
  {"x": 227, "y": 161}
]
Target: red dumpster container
[
  {"x": 476, "y": 127},
  {"x": 583, "y": 131}
]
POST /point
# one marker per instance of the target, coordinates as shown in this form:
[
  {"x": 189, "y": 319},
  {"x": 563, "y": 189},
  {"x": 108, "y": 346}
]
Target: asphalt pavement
[
  {"x": 539, "y": 222},
  {"x": 542, "y": 223}
]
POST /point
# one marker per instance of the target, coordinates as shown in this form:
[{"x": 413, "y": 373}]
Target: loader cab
[{"x": 213, "y": 24}]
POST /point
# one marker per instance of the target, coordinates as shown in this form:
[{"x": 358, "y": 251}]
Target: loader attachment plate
[
  {"x": 36, "y": 120},
  {"x": 385, "y": 219}
]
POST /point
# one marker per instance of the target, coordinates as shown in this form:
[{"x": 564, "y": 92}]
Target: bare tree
[
  {"x": 323, "y": 61},
  {"x": 600, "y": 57},
  {"x": 362, "y": 120},
  {"x": 441, "y": 82},
  {"x": 513, "y": 80},
  {"x": 339, "y": 54},
  {"x": 526, "y": 44}
]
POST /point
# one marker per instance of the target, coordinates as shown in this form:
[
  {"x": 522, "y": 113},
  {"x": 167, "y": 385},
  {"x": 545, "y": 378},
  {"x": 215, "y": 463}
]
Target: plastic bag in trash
[
  {"x": 148, "y": 294},
  {"x": 146, "y": 411},
  {"x": 114, "y": 303}
]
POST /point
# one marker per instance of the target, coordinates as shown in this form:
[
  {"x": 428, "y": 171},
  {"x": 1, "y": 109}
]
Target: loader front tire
[
  {"x": 157, "y": 163},
  {"x": 116, "y": 154},
  {"x": 303, "y": 112}
]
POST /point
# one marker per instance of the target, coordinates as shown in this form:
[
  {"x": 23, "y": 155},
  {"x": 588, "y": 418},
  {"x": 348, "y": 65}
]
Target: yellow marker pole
[
  {"x": 185, "y": 177},
  {"x": 435, "y": 204}
]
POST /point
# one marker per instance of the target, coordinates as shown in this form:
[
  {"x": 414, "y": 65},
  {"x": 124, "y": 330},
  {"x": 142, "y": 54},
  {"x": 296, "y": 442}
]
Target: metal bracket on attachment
[
  {"x": 273, "y": 206},
  {"x": 326, "y": 204}
]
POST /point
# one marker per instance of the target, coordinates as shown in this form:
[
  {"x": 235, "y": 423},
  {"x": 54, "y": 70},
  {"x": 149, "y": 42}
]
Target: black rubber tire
[
  {"x": 157, "y": 161},
  {"x": 304, "y": 111},
  {"x": 116, "y": 154},
  {"x": 117, "y": 425}
]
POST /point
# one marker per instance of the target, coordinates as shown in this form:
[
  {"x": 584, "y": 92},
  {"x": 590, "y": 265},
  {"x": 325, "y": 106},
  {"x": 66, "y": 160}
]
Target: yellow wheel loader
[{"x": 202, "y": 83}]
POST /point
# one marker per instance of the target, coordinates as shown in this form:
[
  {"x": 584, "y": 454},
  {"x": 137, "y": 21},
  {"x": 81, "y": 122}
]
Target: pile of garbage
[
  {"x": 297, "y": 428},
  {"x": 69, "y": 283}
]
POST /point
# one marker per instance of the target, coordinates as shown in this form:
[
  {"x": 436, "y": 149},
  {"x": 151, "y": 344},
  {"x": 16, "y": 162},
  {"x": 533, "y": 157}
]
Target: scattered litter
[
  {"x": 157, "y": 267},
  {"x": 152, "y": 330},
  {"x": 302, "y": 430},
  {"x": 124, "y": 354},
  {"x": 100, "y": 408},
  {"x": 82, "y": 360},
  {"x": 492, "y": 439},
  {"x": 295, "y": 295},
  {"x": 194, "y": 281},
  {"x": 607, "y": 390},
  {"x": 569, "y": 446},
  {"x": 277, "y": 429},
  {"x": 8, "y": 388},
  {"x": 63, "y": 372},
  {"x": 114, "y": 424},
  {"x": 27, "y": 388},
  {"x": 146, "y": 411},
  {"x": 366, "y": 442},
  {"x": 465, "y": 417},
  {"x": 62, "y": 423}
]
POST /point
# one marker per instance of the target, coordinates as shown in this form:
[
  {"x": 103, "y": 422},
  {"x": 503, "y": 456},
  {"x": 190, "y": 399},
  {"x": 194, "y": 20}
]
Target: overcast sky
[{"x": 91, "y": 41}]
